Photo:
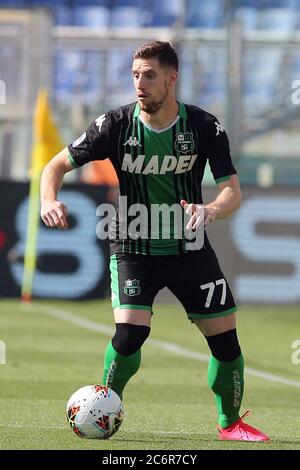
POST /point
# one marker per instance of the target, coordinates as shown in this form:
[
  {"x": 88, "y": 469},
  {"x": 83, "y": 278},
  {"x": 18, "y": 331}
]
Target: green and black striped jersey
[{"x": 155, "y": 168}]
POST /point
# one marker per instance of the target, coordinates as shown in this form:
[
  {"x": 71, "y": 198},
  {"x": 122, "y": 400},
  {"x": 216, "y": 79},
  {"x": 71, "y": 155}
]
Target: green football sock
[
  {"x": 227, "y": 382},
  {"x": 118, "y": 369}
]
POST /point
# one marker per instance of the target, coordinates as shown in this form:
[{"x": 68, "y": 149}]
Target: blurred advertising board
[
  {"x": 258, "y": 247},
  {"x": 70, "y": 264}
]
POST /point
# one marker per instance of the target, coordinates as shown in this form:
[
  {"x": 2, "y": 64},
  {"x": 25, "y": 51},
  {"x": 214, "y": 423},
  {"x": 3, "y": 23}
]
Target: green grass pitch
[{"x": 167, "y": 404}]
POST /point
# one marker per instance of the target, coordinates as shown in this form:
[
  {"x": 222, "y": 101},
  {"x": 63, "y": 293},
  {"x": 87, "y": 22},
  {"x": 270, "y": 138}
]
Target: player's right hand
[{"x": 54, "y": 214}]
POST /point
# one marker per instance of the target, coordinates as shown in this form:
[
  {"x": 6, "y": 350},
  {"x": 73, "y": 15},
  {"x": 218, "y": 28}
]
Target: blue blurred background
[{"x": 81, "y": 51}]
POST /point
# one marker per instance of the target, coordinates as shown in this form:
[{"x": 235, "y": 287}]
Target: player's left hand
[
  {"x": 210, "y": 214},
  {"x": 199, "y": 214}
]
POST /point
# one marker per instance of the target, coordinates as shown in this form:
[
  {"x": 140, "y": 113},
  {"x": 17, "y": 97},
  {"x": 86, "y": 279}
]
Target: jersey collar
[{"x": 181, "y": 111}]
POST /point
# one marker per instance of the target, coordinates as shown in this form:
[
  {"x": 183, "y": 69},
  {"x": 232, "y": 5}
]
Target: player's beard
[{"x": 153, "y": 106}]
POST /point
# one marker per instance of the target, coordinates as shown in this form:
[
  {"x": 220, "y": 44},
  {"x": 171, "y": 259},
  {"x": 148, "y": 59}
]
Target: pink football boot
[{"x": 240, "y": 431}]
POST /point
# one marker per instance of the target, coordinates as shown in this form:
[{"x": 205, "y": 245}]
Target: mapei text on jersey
[{"x": 158, "y": 166}]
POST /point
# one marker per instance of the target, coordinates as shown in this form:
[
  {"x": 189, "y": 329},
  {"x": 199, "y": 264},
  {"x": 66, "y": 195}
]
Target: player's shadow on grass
[
  {"x": 284, "y": 441},
  {"x": 165, "y": 439},
  {"x": 206, "y": 438}
]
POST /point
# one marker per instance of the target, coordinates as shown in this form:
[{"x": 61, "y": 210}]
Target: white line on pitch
[{"x": 173, "y": 348}]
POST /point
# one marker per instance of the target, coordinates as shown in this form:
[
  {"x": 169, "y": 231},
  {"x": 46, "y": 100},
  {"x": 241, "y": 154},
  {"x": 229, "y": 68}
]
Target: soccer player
[{"x": 159, "y": 148}]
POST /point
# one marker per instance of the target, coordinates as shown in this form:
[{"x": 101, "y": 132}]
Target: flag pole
[
  {"x": 31, "y": 238},
  {"x": 47, "y": 143}
]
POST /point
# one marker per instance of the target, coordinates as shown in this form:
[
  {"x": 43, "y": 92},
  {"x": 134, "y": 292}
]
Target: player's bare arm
[
  {"x": 54, "y": 212},
  {"x": 227, "y": 202}
]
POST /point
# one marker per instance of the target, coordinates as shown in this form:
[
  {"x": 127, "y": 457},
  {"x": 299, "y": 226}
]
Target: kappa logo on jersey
[
  {"x": 132, "y": 141},
  {"x": 132, "y": 287},
  {"x": 184, "y": 142},
  {"x": 99, "y": 121},
  {"x": 157, "y": 165},
  {"x": 79, "y": 140},
  {"x": 219, "y": 128}
]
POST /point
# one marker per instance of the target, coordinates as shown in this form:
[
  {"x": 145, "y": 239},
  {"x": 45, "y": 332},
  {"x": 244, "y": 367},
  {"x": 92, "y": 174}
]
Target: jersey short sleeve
[
  {"x": 94, "y": 143},
  {"x": 218, "y": 151}
]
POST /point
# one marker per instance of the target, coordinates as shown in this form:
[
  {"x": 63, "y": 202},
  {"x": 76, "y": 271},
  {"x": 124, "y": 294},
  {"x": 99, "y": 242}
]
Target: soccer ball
[{"x": 95, "y": 412}]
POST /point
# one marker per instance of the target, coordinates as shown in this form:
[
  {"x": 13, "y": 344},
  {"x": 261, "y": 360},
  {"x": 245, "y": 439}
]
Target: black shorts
[{"x": 195, "y": 278}]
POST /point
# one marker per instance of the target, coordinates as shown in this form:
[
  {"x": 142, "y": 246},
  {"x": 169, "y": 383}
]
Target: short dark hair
[{"x": 163, "y": 51}]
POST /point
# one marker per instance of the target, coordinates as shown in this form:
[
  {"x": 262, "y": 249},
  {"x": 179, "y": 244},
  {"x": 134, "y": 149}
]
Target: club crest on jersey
[
  {"x": 132, "y": 287},
  {"x": 184, "y": 142}
]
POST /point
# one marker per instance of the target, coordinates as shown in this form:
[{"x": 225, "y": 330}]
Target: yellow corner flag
[{"x": 46, "y": 144}]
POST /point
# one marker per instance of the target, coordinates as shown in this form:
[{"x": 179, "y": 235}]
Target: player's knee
[
  {"x": 224, "y": 346},
  {"x": 129, "y": 338}
]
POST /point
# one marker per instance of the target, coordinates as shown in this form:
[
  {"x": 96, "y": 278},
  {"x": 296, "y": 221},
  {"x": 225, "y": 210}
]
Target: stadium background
[{"x": 239, "y": 60}]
